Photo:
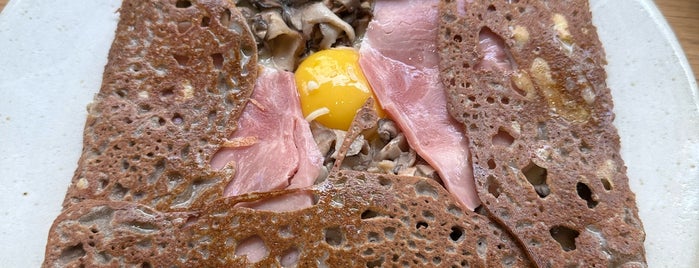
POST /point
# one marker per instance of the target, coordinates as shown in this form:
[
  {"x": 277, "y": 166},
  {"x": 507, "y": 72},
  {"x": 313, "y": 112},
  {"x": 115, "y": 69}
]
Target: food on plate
[{"x": 482, "y": 137}]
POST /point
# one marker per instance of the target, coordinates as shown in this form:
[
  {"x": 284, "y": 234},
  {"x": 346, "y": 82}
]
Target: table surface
[{"x": 682, "y": 16}]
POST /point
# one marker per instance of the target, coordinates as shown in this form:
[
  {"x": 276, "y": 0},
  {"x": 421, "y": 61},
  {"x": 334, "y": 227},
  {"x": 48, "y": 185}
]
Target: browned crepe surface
[
  {"x": 545, "y": 152},
  {"x": 359, "y": 220},
  {"x": 176, "y": 81},
  {"x": 180, "y": 72},
  {"x": 178, "y": 75}
]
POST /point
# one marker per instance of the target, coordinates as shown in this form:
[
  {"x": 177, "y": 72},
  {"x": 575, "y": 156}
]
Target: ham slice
[
  {"x": 492, "y": 49},
  {"x": 400, "y": 61},
  {"x": 273, "y": 147}
]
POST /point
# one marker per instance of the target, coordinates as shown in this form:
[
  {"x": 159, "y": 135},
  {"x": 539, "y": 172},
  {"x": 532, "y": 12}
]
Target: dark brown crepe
[
  {"x": 545, "y": 152},
  {"x": 180, "y": 73}
]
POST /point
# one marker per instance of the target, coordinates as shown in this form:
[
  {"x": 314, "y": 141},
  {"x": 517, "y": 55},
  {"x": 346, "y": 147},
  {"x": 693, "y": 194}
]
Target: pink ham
[
  {"x": 399, "y": 59},
  {"x": 492, "y": 49},
  {"x": 278, "y": 151}
]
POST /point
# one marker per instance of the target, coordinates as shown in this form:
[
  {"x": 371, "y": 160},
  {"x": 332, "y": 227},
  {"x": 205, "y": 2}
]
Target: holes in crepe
[
  {"x": 122, "y": 92},
  {"x": 428, "y": 215},
  {"x": 285, "y": 231},
  {"x": 205, "y": 21},
  {"x": 487, "y": 36},
  {"x": 141, "y": 226},
  {"x": 565, "y": 237},
  {"x": 118, "y": 192},
  {"x": 373, "y": 237},
  {"x": 389, "y": 232},
  {"x": 177, "y": 119},
  {"x": 125, "y": 165},
  {"x": 251, "y": 248},
  {"x": 182, "y": 60},
  {"x": 424, "y": 188},
  {"x": 383, "y": 181},
  {"x": 146, "y": 265},
  {"x": 491, "y": 164},
  {"x": 457, "y": 38},
  {"x": 421, "y": 224},
  {"x": 225, "y": 17},
  {"x": 334, "y": 236},
  {"x": 183, "y": 26},
  {"x": 491, "y": 8},
  {"x": 536, "y": 176},
  {"x": 481, "y": 246},
  {"x": 211, "y": 117},
  {"x": 607, "y": 185},
  {"x": 503, "y": 138},
  {"x": 456, "y": 233},
  {"x": 217, "y": 59},
  {"x": 167, "y": 92},
  {"x": 222, "y": 86},
  {"x": 466, "y": 65},
  {"x": 585, "y": 193},
  {"x": 584, "y": 147},
  {"x": 71, "y": 253},
  {"x": 183, "y": 3},
  {"x": 369, "y": 214},
  {"x": 375, "y": 263},
  {"x": 144, "y": 108},
  {"x": 493, "y": 186},
  {"x": 289, "y": 257}
]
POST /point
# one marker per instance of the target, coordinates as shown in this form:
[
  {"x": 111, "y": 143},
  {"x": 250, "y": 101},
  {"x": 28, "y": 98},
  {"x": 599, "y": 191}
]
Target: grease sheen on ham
[
  {"x": 282, "y": 154},
  {"x": 400, "y": 61}
]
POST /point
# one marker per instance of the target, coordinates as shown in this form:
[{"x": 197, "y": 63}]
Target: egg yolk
[{"x": 332, "y": 87}]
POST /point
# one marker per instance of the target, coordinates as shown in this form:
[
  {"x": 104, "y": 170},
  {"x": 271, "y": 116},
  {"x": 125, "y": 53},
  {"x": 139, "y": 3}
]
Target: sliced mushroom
[
  {"x": 407, "y": 171},
  {"x": 345, "y": 5},
  {"x": 324, "y": 137},
  {"x": 330, "y": 35},
  {"x": 387, "y": 129},
  {"x": 259, "y": 27},
  {"x": 386, "y": 166},
  {"x": 405, "y": 160},
  {"x": 285, "y": 44},
  {"x": 394, "y": 148},
  {"x": 425, "y": 171},
  {"x": 355, "y": 147},
  {"x": 317, "y": 13}
]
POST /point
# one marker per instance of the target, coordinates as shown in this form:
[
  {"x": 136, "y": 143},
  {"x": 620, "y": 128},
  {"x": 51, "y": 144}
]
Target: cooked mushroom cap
[{"x": 286, "y": 30}]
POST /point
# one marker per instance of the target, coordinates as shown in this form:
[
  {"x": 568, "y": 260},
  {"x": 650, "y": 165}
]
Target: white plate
[{"x": 52, "y": 54}]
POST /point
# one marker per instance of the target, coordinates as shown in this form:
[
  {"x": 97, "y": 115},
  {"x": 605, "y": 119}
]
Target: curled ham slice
[
  {"x": 273, "y": 147},
  {"x": 400, "y": 61}
]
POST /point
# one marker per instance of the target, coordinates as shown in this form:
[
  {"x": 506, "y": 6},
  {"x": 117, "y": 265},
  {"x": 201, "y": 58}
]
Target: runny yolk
[{"x": 332, "y": 87}]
